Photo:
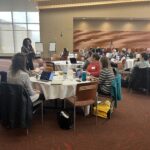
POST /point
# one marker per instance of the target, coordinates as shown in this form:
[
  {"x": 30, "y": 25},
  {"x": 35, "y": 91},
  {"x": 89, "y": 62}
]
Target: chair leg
[
  {"x": 74, "y": 118},
  {"x": 42, "y": 112},
  {"x": 27, "y": 131},
  {"x": 56, "y": 103},
  {"x": 96, "y": 107},
  {"x": 96, "y": 115}
]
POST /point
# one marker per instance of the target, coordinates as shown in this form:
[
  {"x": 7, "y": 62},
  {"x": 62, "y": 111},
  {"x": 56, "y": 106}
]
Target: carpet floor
[{"x": 128, "y": 129}]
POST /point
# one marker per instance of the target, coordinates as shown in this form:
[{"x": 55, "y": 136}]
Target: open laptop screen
[{"x": 47, "y": 76}]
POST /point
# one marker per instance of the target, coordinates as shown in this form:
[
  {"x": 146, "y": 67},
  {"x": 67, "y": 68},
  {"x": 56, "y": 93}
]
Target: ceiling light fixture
[{"x": 68, "y": 5}]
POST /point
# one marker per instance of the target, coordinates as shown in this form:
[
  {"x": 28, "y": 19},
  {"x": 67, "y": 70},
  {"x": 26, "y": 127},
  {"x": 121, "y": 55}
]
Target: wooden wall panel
[{"x": 119, "y": 39}]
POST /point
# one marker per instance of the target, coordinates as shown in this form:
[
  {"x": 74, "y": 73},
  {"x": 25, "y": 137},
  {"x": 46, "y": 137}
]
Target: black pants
[{"x": 29, "y": 64}]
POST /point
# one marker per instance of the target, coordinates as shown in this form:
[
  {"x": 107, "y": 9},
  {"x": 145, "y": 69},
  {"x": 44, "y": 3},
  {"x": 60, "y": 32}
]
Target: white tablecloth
[
  {"x": 50, "y": 91},
  {"x": 129, "y": 63},
  {"x": 62, "y": 66}
]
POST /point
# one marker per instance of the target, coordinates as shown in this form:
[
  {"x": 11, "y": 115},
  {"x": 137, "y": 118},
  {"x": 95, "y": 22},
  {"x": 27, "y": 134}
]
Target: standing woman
[
  {"x": 27, "y": 49},
  {"x": 64, "y": 54}
]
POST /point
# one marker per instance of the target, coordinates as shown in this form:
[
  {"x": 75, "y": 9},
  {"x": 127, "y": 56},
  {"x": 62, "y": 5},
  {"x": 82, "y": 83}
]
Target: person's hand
[
  {"x": 37, "y": 91},
  {"x": 88, "y": 78},
  {"x": 88, "y": 73}
]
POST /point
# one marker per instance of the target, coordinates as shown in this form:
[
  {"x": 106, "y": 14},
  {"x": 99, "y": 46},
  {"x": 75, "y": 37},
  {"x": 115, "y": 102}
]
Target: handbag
[
  {"x": 103, "y": 109},
  {"x": 65, "y": 119}
]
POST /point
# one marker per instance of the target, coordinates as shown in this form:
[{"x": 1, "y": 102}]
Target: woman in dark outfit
[
  {"x": 27, "y": 49},
  {"x": 65, "y": 54}
]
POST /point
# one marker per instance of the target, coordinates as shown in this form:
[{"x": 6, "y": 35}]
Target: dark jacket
[
  {"x": 140, "y": 79},
  {"x": 3, "y": 76},
  {"x": 15, "y": 106},
  {"x": 30, "y": 54}
]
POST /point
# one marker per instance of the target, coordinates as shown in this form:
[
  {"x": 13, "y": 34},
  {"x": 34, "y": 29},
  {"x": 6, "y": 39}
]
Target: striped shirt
[{"x": 105, "y": 80}]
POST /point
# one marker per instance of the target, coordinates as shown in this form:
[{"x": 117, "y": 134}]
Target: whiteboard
[
  {"x": 52, "y": 47},
  {"x": 39, "y": 47}
]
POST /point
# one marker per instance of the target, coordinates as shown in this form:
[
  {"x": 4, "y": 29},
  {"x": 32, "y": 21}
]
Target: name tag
[{"x": 93, "y": 68}]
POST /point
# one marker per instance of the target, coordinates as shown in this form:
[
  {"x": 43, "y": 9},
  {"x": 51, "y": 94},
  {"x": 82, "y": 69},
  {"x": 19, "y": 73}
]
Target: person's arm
[
  {"x": 28, "y": 85},
  {"x": 24, "y": 50},
  {"x": 31, "y": 51}
]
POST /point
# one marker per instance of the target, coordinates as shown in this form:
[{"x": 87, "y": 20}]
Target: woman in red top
[{"x": 94, "y": 67}]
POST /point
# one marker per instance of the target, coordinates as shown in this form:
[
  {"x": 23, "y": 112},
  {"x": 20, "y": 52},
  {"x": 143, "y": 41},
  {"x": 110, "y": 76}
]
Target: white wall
[
  {"x": 57, "y": 21},
  {"x": 17, "y": 5}
]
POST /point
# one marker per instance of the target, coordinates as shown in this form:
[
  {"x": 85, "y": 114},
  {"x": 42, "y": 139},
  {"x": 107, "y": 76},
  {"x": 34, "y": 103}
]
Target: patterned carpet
[{"x": 128, "y": 129}]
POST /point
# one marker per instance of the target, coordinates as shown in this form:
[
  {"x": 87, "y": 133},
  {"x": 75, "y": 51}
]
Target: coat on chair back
[
  {"x": 116, "y": 89},
  {"x": 15, "y": 106}
]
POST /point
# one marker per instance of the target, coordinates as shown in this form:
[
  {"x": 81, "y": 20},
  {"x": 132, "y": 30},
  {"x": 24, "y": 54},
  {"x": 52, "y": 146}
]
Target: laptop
[
  {"x": 73, "y": 60},
  {"x": 47, "y": 76}
]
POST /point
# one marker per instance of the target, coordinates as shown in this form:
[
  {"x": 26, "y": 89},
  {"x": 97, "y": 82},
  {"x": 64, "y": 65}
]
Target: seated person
[
  {"x": 64, "y": 54},
  {"x": 106, "y": 77},
  {"x": 114, "y": 54},
  {"x": 87, "y": 60},
  {"x": 55, "y": 57},
  {"x": 129, "y": 54},
  {"x": 17, "y": 74},
  {"x": 122, "y": 55},
  {"x": 81, "y": 53},
  {"x": 144, "y": 62},
  {"x": 94, "y": 66}
]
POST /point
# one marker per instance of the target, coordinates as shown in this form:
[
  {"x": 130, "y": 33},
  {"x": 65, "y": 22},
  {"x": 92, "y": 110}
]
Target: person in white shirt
[
  {"x": 17, "y": 74},
  {"x": 144, "y": 62}
]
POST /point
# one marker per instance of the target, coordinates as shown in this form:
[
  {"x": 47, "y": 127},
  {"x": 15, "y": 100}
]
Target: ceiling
[{"x": 50, "y": 4}]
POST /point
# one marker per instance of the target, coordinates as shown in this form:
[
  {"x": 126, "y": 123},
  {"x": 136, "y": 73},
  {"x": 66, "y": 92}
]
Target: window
[
  {"x": 14, "y": 27},
  {"x": 33, "y": 17},
  {"x": 5, "y": 17},
  {"x": 19, "y": 17}
]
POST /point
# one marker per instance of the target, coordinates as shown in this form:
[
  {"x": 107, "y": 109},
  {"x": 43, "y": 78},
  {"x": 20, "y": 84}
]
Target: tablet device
[{"x": 47, "y": 76}]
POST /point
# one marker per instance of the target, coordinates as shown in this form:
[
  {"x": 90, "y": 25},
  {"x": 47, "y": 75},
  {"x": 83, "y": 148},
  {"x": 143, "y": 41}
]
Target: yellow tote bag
[{"x": 102, "y": 109}]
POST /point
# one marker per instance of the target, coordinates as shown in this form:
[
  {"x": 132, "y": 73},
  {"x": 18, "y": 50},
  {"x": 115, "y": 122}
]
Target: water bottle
[{"x": 84, "y": 76}]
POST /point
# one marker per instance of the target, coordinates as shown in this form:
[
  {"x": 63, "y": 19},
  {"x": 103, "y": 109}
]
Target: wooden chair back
[{"x": 86, "y": 91}]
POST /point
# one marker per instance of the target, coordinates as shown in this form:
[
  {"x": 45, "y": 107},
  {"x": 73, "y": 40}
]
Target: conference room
[{"x": 74, "y": 74}]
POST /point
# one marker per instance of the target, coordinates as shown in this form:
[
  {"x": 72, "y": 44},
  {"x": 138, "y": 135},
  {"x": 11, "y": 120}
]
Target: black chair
[
  {"x": 140, "y": 79},
  {"x": 3, "y": 76},
  {"x": 16, "y": 107}
]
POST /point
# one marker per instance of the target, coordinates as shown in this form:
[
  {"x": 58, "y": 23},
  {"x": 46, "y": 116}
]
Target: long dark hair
[
  {"x": 18, "y": 63},
  {"x": 105, "y": 62},
  {"x": 26, "y": 43}
]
